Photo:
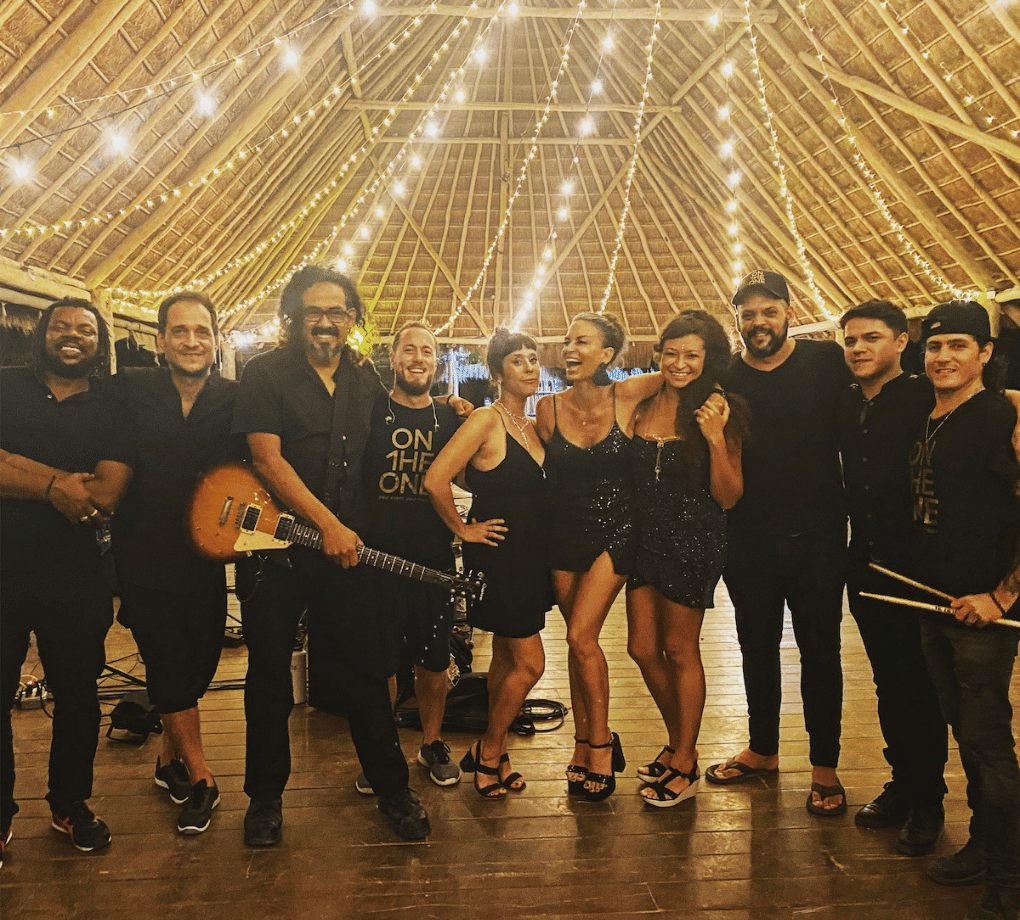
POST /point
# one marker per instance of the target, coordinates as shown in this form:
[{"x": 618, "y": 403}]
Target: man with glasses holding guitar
[{"x": 306, "y": 409}]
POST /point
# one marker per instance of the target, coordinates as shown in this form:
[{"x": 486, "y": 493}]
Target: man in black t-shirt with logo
[
  {"x": 787, "y": 535},
  {"x": 965, "y": 541},
  {"x": 409, "y": 429}
]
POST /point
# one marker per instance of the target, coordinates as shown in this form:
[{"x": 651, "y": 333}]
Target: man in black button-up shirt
[
  {"x": 62, "y": 470},
  {"x": 878, "y": 420},
  {"x": 288, "y": 403}
]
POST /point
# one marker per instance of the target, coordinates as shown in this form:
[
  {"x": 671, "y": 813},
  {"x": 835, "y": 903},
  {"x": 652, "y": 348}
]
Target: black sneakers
[
  {"x": 174, "y": 778},
  {"x": 406, "y": 814},
  {"x": 922, "y": 831},
  {"x": 263, "y": 823},
  {"x": 87, "y": 832},
  {"x": 197, "y": 812},
  {"x": 964, "y": 867}
]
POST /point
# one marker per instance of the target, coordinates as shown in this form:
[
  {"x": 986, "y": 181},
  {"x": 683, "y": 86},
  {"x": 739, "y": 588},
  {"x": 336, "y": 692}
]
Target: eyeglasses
[{"x": 335, "y": 314}]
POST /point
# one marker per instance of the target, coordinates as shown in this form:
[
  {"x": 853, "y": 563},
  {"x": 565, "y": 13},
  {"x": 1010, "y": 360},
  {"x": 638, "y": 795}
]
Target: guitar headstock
[{"x": 470, "y": 585}]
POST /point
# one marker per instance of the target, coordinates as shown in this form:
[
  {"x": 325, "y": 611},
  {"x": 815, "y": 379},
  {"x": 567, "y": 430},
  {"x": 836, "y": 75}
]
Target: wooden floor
[{"x": 741, "y": 852}]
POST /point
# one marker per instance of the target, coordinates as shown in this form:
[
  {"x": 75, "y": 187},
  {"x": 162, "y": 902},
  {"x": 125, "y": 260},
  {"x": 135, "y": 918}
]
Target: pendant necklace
[
  {"x": 930, "y": 432},
  {"x": 514, "y": 418}
]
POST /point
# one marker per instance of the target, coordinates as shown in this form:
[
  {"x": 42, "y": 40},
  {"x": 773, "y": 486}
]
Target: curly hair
[
  {"x": 292, "y": 300},
  {"x": 38, "y": 346}
]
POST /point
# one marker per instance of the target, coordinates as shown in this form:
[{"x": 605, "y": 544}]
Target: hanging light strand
[
  {"x": 784, "y": 189},
  {"x": 870, "y": 178},
  {"x": 523, "y": 173},
  {"x": 632, "y": 166}
]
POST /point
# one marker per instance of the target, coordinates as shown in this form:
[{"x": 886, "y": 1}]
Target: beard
[
  {"x": 325, "y": 352},
  {"x": 53, "y": 364},
  {"x": 411, "y": 388},
  {"x": 775, "y": 342}
]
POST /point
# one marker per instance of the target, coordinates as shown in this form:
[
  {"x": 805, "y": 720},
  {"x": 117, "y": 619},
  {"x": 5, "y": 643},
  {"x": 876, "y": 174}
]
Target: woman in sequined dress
[
  {"x": 502, "y": 456},
  {"x": 591, "y": 529},
  {"x": 686, "y": 452}
]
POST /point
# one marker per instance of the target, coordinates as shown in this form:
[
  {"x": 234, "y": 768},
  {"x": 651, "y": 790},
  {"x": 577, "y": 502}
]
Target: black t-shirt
[
  {"x": 792, "y": 479},
  {"x": 966, "y": 517},
  {"x": 401, "y": 447},
  {"x": 280, "y": 393},
  {"x": 151, "y": 545},
  {"x": 73, "y": 435},
  {"x": 875, "y": 437}
]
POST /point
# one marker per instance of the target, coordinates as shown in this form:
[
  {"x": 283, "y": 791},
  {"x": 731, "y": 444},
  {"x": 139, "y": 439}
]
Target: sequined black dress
[
  {"x": 591, "y": 501},
  {"x": 682, "y": 541},
  {"x": 519, "y": 579}
]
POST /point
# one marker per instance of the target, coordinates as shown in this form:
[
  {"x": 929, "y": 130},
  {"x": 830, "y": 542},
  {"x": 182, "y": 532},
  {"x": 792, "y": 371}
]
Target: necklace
[
  {"x": 392, "y": 415},
  {"x": 930, "y": 432},
  {"x": 517, "y": 424}
]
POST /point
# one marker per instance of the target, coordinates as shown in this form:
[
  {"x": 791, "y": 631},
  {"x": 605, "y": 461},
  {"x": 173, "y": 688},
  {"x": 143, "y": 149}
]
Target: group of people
[{"x": 717, "y": 466}]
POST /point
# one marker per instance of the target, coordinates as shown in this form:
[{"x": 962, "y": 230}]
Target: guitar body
[{"x": 228, "y": 499}]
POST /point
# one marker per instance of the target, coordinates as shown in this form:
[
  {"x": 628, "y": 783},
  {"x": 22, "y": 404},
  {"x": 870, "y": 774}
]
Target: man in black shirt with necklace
[
  {"x": 878, "y": 419},
  {"x": 965, "y": 541}
]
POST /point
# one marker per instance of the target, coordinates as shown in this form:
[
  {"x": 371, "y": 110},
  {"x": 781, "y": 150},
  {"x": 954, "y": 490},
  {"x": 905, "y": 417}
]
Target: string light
[
  {"x": 164, "y": 87},
  {"x": 632, "y": 167},
  {"x": 239, "y": 155},
  {"x": 733, "y": 180},
  {"x": 523, "y": 174},
  {"x": 784, "y": 191},
  {"x": 870, "y": 178}
]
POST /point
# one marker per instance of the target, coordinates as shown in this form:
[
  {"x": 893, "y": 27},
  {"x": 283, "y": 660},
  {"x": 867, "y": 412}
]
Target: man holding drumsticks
[{"x": 964, "y": 540}]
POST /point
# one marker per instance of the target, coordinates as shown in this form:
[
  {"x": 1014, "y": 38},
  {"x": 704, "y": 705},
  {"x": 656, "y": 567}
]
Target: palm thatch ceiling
[{"x": 867, "y": 148}]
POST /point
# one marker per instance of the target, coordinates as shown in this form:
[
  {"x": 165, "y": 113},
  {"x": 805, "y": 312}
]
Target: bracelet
[
  {"x": 46, "y": 494},
  {"x": 995, "y": 601}
]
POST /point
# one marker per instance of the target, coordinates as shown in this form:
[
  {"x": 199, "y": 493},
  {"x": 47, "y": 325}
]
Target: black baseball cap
[
  {"x": 772, "y": 284},
  {"x": 960, "y": 317}
]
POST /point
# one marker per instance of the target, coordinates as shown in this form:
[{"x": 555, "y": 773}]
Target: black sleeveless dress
[
  {"x": 682, "y": 542},
  {"x": 519, "y": 591},
  {"x": 591, "y": 501}
]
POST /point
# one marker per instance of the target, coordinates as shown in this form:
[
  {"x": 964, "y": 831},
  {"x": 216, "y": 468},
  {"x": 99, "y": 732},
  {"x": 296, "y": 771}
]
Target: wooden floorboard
[{"x": 748, "y": 852}]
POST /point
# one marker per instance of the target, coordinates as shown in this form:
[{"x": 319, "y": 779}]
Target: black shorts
[
  {"x": 180, "y": 636},
  {"x": 418, "y": 614}
]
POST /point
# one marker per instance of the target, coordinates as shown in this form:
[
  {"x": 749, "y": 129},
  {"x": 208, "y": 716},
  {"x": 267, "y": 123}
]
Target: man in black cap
[
  {"x": 965, "y": 541},
  {"x": 787, "y": 535},
  {"x": 878, "y": 418}
]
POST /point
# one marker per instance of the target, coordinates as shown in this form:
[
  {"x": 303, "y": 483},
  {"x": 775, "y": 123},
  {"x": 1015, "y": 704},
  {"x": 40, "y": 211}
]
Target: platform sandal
[
  {"x": 650, "y": 772},
  {"x": 607, "y": 781},
  {"x": 576, "y": 776},
  {"x": 664, "y": 797}
]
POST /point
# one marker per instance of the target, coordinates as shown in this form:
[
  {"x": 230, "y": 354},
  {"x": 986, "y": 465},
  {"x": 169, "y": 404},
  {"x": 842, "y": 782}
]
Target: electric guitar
[{"x": 232, "y": 514}]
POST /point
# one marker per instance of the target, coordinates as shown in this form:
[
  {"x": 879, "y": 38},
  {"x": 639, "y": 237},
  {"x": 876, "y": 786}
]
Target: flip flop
[
  {"x": 744, "y": 772},
  {"x": 826, "y": 792}
]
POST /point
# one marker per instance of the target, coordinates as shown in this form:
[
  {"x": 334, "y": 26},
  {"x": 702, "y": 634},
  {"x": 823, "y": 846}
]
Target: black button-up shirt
[
  {"x": 875, "y": 437},
  {"x": 281, "y": 394},
  {"x": 73, "y": 434},
  {"x": 169, "y": 452}
]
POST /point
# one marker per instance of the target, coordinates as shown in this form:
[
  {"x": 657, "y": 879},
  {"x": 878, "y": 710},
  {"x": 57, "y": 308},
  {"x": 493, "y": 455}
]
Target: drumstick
[
  {"x": 921, "y": 605},
  {"x": 910, "y": 581}
]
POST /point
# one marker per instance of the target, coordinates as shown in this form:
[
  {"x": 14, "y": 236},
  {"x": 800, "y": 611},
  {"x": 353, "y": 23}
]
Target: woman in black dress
[
  {"x": 686, "y": 451},
  {"x": 592, "y": 533},
  {"x": 500, "y": 451}
]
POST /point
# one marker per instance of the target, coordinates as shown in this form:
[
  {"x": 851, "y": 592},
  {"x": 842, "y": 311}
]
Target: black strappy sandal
[
  {"x": 471, "y": 762},
  {"x": 577, "y": 776},
  {"x": 650, "y": 772},
  {"x": 513, "y": 777},
  {"x": 666, "y": 797},
  {"x": 606, "y": 780}
]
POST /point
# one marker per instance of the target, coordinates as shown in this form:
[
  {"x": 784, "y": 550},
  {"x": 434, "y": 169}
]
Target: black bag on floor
[{"x": 467, "y": 707}]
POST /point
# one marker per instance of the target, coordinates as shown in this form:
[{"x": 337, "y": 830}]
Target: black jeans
[
  {"x": 916, "y": 735},
  {"x": 340, "y": 612},
  {"x": 971, "y": 670},
  {"x": 806, "y": 573},
  {"x": 70, "y": 615}
]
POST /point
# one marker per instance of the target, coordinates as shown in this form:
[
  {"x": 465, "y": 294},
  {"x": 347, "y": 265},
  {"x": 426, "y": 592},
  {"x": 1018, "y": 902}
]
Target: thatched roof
[{"x": 896, "y": 127}]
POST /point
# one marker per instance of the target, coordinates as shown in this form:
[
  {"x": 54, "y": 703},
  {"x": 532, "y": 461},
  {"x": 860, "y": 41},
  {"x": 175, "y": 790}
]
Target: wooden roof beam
[{"x": 617, "y": 14}]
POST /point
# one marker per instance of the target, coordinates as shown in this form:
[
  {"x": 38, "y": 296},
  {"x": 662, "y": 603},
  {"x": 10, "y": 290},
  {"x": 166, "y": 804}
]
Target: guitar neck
[{"x": 306, "y": 535}]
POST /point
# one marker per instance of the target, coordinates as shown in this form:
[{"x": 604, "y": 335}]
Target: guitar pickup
[
  {"x": 284, "y": 527},
  {"x": 249, "y": 518}
]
